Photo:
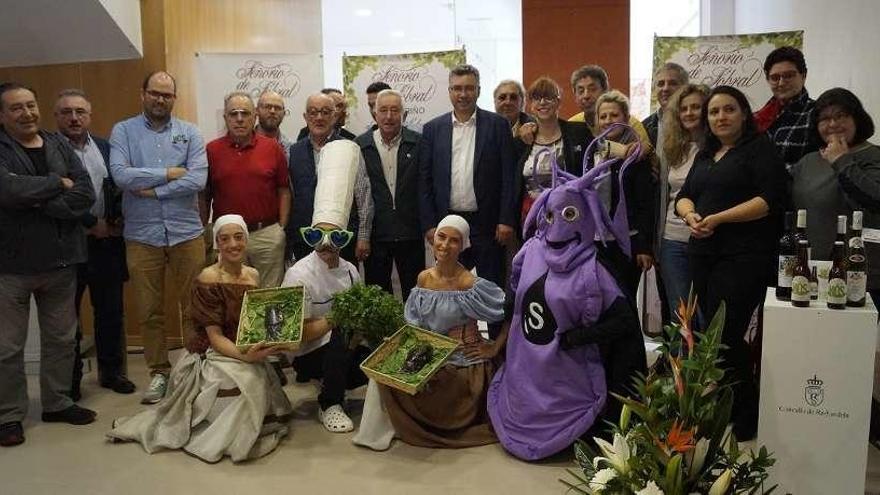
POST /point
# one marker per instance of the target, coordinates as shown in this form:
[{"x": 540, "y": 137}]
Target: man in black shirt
[{"x": 44, "y": 192}]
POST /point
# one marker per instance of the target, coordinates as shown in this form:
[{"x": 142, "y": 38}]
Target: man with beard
[
  {"x": 160, "y": 163},
  {"x": 270, "y": 115}
]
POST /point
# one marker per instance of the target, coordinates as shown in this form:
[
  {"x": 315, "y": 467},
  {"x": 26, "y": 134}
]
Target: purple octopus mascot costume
[{"x": 574, "y": 335}]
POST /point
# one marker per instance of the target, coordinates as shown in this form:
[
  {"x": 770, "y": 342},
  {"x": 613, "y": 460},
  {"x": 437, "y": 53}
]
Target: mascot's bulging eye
[
  {"x": 570, "y": 213},
  {"x": 548, "y": 216}
]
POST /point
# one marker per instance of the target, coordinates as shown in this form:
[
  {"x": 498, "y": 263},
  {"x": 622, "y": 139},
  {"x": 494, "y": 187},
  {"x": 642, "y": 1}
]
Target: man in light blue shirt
[{"x": 160, "y": 163}]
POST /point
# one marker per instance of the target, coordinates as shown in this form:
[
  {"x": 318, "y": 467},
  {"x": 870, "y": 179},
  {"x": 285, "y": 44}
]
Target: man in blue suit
[{"x": 466, "y": 167}]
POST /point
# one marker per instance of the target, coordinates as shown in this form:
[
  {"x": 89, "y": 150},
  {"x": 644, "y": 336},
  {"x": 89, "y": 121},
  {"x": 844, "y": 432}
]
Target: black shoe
[
  {"x": 11, "y": 434},
  {"x": 74, "y": 415},
  {"x": 119, "y": 384}
]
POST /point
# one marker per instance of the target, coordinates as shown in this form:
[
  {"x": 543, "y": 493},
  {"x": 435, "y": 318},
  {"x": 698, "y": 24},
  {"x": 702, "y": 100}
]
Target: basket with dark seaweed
[
  {"x": 408, "y": 359},
  {"x": 273, "y": 316}
]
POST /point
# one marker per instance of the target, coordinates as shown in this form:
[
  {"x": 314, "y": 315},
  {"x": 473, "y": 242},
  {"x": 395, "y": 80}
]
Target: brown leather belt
[{"x": 253, "y": 227}]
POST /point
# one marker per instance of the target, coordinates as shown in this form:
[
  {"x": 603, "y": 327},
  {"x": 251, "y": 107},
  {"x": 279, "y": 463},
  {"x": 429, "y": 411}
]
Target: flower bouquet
[{"x": 673, "y": 436}]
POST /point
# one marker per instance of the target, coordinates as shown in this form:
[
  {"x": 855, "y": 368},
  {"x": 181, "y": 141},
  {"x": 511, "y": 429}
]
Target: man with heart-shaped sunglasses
[{"x": 322, "y": 273}]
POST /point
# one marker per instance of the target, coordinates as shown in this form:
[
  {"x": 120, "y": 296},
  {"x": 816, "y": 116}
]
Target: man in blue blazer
[{"x": 466, "y": 167}]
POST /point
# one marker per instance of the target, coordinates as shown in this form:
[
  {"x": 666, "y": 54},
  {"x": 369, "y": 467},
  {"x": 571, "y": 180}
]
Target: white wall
[
  {"x": 841, "y": 40},
  {"x": 490, "y": 31}
]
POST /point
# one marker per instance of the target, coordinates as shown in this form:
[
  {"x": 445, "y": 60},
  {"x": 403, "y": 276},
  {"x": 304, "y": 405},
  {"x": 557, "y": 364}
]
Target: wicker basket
[
  {"x": 440, "y": 343},
  {"x": 297, "y": 294}
]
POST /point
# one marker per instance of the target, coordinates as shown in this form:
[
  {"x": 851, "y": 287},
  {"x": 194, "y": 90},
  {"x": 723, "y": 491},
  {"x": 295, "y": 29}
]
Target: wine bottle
[
  {"x": 814, "y": 283},
  {"x": 836, "y": 295},
  {"x": 787, "y": 259},
  {"x": 800, "y": 280},
  {"x": 856, "y": 276},
  {"x": 801, "y": 234}
]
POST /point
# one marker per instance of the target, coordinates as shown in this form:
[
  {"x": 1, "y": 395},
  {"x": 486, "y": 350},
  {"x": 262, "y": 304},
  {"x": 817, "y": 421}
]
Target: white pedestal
[{"x": 817, "y": 372}]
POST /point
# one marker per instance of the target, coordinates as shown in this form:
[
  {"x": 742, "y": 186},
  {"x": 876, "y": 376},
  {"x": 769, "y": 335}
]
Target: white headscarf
[
  {"x": 226, "y": 220},
  {"x": 458, "y": 223}
]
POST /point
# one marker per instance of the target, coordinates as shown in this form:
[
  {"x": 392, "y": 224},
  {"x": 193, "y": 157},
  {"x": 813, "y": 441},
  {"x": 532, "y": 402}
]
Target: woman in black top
[
  {"x": 566, "y": 140},
  {"x": 731, "y": 200}
]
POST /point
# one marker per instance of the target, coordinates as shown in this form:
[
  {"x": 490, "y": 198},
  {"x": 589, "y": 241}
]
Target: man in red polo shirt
[{"x": 247, "y": 175}]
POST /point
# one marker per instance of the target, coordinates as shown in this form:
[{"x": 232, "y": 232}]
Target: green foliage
[
  {"x": 393, "y": 363},
  {"x": 674, "y": 430},
  {"x": 252, "y": 328},
  {"x": 368, "y": 311}
]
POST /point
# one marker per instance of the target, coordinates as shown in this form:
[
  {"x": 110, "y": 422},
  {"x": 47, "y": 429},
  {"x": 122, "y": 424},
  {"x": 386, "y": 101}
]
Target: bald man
[
  {"x": 270, "y": 114},
  {"x": 320, "y": 117}
]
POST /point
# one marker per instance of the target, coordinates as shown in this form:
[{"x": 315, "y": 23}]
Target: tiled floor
[{"x": 61, "y": 459}]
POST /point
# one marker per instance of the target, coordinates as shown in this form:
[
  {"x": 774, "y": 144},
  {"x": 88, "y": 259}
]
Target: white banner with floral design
[
  {"x": 420, "y": 77},
  {"x": 293, "y": 76},
  {"x": 730, "y": 60}
]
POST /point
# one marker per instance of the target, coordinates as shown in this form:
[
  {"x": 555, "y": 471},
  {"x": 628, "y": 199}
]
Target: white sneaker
[
  {"x": 335, "y": 419},
  {"x": 158, "y": 386}
]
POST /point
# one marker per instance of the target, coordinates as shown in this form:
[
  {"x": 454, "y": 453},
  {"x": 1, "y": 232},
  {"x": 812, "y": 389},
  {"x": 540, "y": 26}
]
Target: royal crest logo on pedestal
[{"x": 814, "y": 393}]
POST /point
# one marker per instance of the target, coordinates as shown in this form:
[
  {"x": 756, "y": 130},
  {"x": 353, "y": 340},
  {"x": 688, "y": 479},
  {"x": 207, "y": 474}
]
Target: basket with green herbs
[
  {"x": 408, "y": 359},
  {"x": 273, "y": 316},
  {"x": 367, "y": 312}
]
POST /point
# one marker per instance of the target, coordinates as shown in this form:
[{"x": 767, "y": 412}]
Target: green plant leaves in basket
[
  {"x": 368, "y": 311},
  {"x": 288, "y": 306}
]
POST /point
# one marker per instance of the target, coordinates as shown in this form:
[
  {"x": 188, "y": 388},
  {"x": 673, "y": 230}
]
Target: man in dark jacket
[
  {"x": 105, "y": 272},
  {"x": 44, "y": 192},
  {"x": 391, "y": 154}
]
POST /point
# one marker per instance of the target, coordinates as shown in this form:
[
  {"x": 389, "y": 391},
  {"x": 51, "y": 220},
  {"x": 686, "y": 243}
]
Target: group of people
[{"x": 558, "y": 217}]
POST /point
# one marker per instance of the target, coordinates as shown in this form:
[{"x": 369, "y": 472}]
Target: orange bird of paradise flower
[
  {"x": 675, "y": 364},
  {"x": 685, "y": 313},
  {"x": 678, "y": 440}
]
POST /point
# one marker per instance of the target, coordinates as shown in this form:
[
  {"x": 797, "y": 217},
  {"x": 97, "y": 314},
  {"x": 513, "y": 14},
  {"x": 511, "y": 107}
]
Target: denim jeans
[{"x": 675, "y": 270}]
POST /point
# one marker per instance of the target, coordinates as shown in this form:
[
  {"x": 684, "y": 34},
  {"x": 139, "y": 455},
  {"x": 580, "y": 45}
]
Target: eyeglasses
[
  {"x": 783, "y": 76},
  {"x": 837, "y": 116},
  {"x": 158, "y": 95},
  {"x": 338, "y": 238},
  {"x": 273, "y": 107},
  {"x": 463, "y": 89},
  {"x": 314, "y": 112},
  {"x": 68, "y": 112},
  {"x": 234, "y": 114},
  {"x": 543, "y": 99}
]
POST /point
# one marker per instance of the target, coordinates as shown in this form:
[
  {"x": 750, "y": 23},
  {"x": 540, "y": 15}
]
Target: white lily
[
  {"x": 616, "y": 455},
  {"x": 650, "y": 489},
  {"x": 697, "y": 457},
  {"x": 601, "y": 478},
  {"x": 722, "y": 483}
]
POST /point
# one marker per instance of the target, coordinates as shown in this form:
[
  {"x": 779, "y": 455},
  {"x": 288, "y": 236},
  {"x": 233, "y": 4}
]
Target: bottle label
[
  {"x": 856, "y": 258},
  {"x": 856, "y": 285},
  {"x": 785, "y": 270},
  {"x": 856, "y": 242},
  {"x": 836, "y": 291},
  {"x": 800, "y": 288}
]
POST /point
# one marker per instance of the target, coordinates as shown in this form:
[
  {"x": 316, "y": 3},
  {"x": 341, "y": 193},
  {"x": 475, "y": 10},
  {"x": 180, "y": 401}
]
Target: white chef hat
[
  {"x": 337, "y": 169},
  {"x": 226, "y": 220},
  {"x": 458, "y": 223}
]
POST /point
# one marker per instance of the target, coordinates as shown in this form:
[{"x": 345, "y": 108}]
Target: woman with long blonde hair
[{"x": 680, "y": 136}]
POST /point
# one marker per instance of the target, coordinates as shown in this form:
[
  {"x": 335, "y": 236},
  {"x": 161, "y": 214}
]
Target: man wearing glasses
[
  {"x": 788, "y": 116},
  {"x": 270, "y": 115},
  {"x": 105, "y": 272},
  {"x": 160, "y": 164},
  {"x": 466, "y": 168},
  {"x": 303, "y": 165},
  {"x": 247, "y": 175}
]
